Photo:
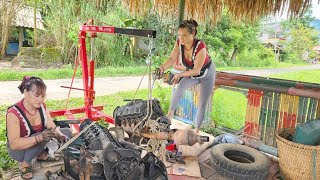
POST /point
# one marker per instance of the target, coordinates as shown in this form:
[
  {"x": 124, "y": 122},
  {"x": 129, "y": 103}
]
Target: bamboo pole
[
  {"x": 181, "y": 11},
  {"x": 35, "y": 24}
]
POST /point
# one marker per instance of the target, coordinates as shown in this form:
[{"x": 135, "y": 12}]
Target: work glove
[
  {"x": 45, "y": 135},
  {"x": 62, "y": 138}
]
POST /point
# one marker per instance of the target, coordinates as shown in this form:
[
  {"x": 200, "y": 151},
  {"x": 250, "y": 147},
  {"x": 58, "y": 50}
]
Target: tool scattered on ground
[{"x": 173, "y": 155}]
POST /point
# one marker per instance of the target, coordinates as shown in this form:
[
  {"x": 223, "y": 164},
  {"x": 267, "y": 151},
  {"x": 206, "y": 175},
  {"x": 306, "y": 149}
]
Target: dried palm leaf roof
[{"x": 211, "y": 10}]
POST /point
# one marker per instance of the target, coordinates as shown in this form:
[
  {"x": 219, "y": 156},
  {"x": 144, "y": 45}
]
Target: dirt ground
[{"x": 10, "y": 94}]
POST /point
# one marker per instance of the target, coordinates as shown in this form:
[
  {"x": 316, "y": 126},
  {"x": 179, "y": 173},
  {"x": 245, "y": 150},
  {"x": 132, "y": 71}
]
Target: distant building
[
  {"x": 24, "y": 18},
  {"x": 317, "y": 50}
]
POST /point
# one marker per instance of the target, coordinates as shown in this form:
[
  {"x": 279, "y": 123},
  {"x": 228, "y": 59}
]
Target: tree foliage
[
  {"x": 8, "y": 11},
  {"x": 63, "y": 18},
  {"x": 228, "y": 40},
  {"x": 301, "y": 38},
  {"x": 300, "y": 43}
]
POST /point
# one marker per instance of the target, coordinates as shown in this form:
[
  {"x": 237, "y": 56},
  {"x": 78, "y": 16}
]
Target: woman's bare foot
[{"x": 196, "y": 130}]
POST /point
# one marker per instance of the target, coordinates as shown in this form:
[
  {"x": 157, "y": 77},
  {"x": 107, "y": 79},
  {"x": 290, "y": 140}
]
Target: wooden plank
[
  {"x": 263, "y": 116},
  {"x": 269, "y": 128},
  {"x": 294, "y": 101},
  {"x": 289, "y": 111},
  {"x": 283, "y": 110},
  {"x": 310, "y": 114},
  {"x": 257, "y": 98},
  {"x": 314, "y": 109},
  {"x": 304, "y": 109},
  {"x": 301, "y": 109},
  {"x": 274, "y": 116},
  {"x": 248, "y": 114},
  {"x": 318, "y": 110}
]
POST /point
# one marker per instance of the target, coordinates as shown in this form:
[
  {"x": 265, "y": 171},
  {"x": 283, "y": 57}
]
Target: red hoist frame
[{"x": 94, "y": 112}]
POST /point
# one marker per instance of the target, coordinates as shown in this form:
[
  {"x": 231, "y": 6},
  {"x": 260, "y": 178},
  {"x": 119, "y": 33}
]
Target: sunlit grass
[{"x": 67, "y": 71}]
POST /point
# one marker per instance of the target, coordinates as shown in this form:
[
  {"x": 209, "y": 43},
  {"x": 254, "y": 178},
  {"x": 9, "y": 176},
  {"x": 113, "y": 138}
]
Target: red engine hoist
[{"x": 94, "y": 112}]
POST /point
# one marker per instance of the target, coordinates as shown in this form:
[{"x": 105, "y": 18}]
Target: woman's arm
[
  {"x": 172, "y": 58},
  {"x": 13, "y": 131},
  {"x": 198, "y": 63},
  {"x": 50, "y": 123}
]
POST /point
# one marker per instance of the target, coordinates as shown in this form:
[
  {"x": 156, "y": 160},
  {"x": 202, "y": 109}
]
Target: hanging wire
[
  {"x": 149, "y": 102},
  {"x": 76, "y": 63}
]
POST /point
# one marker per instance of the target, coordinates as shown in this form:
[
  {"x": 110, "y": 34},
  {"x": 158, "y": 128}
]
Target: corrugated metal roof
[{"x": 24, "y": 18}]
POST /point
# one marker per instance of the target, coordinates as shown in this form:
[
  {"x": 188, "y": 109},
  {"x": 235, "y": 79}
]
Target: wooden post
[
  {"x": 181, "y": 11},
  {"x": 20, "y": 38},
  {"x": 35, "y": 24}
]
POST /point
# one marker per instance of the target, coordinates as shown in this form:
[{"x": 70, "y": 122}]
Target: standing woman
[
  {"x": 30, "y": 127},
  {"x": 191, "y": 57}
]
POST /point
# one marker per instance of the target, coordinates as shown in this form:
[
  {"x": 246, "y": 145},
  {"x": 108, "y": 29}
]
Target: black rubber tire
[{"x": 240, "y": 162}]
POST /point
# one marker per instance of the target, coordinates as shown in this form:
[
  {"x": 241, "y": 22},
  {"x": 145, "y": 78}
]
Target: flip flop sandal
[
  {"x": 51, "y": 159},
  {"x": 24, "y": 171}
]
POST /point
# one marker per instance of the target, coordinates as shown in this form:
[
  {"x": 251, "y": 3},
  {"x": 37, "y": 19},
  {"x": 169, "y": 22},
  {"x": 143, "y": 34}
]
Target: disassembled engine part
[
  {"x": 111, "y": 159},
  {"x": 180, "y": 137},
  {"x": 156, "y": 127}
]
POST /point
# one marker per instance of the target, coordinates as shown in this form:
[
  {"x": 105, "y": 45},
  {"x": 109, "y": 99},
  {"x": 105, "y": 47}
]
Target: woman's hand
[
  {"x": 161, "y": 71},
  {"x": 176, "y": 78},
  {"x": 45, "y": 135},
  {"x": 60, "y": 136},
  {"x": 179, "y": 67}
]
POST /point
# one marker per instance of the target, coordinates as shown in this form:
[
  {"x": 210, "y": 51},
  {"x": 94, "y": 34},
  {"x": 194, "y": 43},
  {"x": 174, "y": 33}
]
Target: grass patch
[
  {"x": 311, "y": 76},
  {"x": 67, "y": 72},
  {"x": 228, "y": 108}
]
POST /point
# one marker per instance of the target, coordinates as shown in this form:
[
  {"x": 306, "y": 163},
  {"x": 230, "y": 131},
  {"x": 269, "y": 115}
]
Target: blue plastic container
[{"x": 12, "y": 48}]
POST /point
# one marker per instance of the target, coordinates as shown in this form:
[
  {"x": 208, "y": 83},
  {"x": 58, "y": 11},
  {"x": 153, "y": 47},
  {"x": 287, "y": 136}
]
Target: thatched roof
[{"x": 211, "y": 10}]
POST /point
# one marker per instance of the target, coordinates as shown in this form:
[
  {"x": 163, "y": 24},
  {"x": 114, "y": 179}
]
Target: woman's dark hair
[
  {"x": 28, "y": 82},
  {"x": 191, "y": 25}
]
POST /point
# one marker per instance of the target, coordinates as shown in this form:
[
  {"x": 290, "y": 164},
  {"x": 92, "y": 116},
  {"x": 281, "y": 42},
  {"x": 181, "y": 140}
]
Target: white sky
[
  {"x": 315, "y": 12},
  {"x": 315, "y": 9}
]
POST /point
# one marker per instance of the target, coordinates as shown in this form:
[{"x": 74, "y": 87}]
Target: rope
[
  {"x": 149, "y": 102},
  {"x": 76, "y": 62},
  {"x": 139, "y": 85}
]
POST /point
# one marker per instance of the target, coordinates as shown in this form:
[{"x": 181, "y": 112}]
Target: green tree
[
  {"x": 300, "y": 42},
  {"x": 8, "y": 10},
  {"x": 228, "y": 39}
]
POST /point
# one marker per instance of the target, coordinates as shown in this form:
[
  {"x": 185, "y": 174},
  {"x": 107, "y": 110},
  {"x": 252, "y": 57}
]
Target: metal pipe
[{"x": 181, "y": 137}]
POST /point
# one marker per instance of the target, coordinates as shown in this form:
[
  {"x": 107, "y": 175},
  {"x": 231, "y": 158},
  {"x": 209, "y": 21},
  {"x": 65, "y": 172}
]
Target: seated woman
[{"x": 30, "y": 127}]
